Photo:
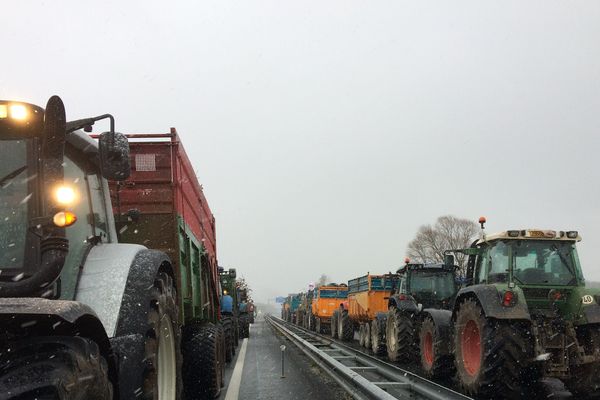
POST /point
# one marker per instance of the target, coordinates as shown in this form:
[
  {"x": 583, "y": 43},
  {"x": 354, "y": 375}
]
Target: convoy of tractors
[
  {"x": 109, "y": 272},
  {"x": 518, "y": 313},
  {"x": 109, "y": 275}
]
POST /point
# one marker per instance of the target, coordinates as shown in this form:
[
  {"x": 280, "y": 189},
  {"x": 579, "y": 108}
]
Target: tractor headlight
[{"x": 65, "y": 195}]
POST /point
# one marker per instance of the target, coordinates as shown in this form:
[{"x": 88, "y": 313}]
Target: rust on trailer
[{"x": 368, "y": 295}]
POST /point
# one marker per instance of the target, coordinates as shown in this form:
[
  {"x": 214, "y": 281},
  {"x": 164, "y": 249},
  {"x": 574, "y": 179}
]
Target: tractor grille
[{"x": 536, "y": 293}]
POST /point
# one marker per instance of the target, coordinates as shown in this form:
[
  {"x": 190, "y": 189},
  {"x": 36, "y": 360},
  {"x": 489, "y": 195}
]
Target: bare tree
[
  {"x": 322, "y": 280},
  {"x": 449, "y": 232}
]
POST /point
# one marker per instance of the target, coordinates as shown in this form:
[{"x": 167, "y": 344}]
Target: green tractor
[
  {"x": 418, "y": 312},
  {"x": 230, "y": 319},
  {"x": 525, "y": 313}
]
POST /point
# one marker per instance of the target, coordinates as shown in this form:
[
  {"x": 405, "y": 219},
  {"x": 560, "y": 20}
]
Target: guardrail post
[{"x": 282, "y": 348}]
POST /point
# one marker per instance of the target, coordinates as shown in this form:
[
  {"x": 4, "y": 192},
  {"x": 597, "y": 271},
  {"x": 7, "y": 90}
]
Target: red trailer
[{"x": 162, "y": 206}]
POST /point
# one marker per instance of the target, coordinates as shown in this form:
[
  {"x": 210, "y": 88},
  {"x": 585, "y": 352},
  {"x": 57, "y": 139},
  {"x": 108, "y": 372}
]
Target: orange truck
[
  {"x": 365, "y": 311},
  {"x": 325, "y": 300}
]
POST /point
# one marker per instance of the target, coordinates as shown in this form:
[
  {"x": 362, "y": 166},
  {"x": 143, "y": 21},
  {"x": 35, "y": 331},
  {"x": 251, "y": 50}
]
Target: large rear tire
[
  {"x": 434, "y": 363},
  {"x": 400, "y": 336},
  {"x": 361, "y": 335},
  {"x": 228, "y": 331},
  {"x": 492, "y": 356},
  {"x": 345, "y": 328},
  {"x": 584, "y": 382},
  {"x": 378, "y": 336},
  {"x": 57, "y": 367},
  {"x": 202, "y": 369},
  {"x": 334, "y": 324}
]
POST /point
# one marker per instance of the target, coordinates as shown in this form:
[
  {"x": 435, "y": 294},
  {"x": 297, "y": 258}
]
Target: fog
[{"x": 326, "y": 133}]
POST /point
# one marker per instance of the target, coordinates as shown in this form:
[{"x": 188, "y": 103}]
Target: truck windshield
[
  {"x": 15, "y": 202},
  {"x": 332, "y": 293},
  {"x": 544, "y": 262},
  {"x": 439, "y": 285}
]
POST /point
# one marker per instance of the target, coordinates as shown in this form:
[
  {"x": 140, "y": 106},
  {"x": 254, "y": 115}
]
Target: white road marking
[{"x": 233, "y": 390}]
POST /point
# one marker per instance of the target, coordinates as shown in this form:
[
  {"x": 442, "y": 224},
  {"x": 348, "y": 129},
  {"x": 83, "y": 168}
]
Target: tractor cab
[
  {"x": 431, "y": 285},
  {"x": 541, "y": 265}
]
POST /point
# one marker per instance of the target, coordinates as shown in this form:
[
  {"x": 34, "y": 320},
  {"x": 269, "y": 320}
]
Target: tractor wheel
[
  {"x": 222, "y": 351},
  {"x": 334, "y": 324},
  {"x": 228, "y": 330},
  {"x": 378, "y": 336},
  {"x": 400, "y": 336},
  {"x": 318, "y": 326},
  {"x": 361, "y": 335},
  {"x": 584, "y": 382},
  {"x": 57, "y": 367},
  {"x": 433, "y": 363},
  {"x": 367, "y": 335},
  {"x": 202, "y": 362},
  {"x": 162, "y": 379},
  {"x": 345, "y": 328},
  {"x": 492, "y": 356}
]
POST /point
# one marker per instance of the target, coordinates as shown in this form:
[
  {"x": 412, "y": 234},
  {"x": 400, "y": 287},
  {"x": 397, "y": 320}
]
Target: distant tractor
[
  {"x": 525, "y": 313},
  {"x": 285, "y": 309},
  {"x": 245, "y": 303},
  {"x": 365, "y": 310},
  {"x": 295, "y": 301},
  {"x": 230, "y": 321},
  {"x": 419, "y": 316},
  {"x": 325, "y": 300}
]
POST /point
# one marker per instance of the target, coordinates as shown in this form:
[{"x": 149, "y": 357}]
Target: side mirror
[
  {"x": 114, "y": 156},
  {"x": 448, "y": 259},
  {"x": 232, "y": 273}
]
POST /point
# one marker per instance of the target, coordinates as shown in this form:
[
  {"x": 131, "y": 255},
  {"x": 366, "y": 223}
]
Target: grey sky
[{"x": 325, "y": 133}]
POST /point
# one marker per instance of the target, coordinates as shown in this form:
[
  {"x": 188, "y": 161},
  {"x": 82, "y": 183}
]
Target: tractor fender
[
  {"x": 408, "y": 305},
  {"x": 30, "y": 317},
  {"x": 490, "y": 300},
  {"x": 104, "y": 278},
  {"x": 443, "y": 325}
]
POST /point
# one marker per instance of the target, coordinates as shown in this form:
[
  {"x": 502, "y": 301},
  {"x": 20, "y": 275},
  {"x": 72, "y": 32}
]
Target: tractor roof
[
  {"x": 533, "y": 234},
  {"x": 427, "y": 266}
]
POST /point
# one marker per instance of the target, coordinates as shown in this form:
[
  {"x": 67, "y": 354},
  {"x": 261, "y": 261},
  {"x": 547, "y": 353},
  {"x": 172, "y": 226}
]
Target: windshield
[
  {"x": 534, "y": 262},
  {"x": 436, "y": 284},
  {"x": 332, "y": 293},
  {"x": 15, "y": 202},
  {"x": 544, "y": 262}
]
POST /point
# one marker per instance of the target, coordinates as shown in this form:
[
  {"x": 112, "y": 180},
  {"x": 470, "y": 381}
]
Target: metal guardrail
[{"x": 362, "y": 375}]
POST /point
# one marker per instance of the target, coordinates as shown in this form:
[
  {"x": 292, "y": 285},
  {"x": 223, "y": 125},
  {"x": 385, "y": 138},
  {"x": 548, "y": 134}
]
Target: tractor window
[
  {"x": 482, "y": 267},
  {"x": 99, "y": 215},
  {"x": 79, "y": 233},
  {"x": 16, "y": 202},
  {"x": 544, "y": 262},
  {"x": 498, "y": 262},
  {"x": 439, "y": 285}
]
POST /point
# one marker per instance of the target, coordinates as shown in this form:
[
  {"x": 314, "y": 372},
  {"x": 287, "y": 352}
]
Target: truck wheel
[
  {"x": 367, "y": 335},
  {"x": 361, "y": 335},
  {"x": 202, "y": 369},
  {"x": 345, "y": 328},
  {"x": 334, "y": 324},
  {"x": 491, "y": 356},
  {"x": 400, "y": 336},
  {"x": 222, "y": 350},
  {"x": 433, "y": 363},
  {"x": 57, "y": 367},
  {"x": 378, "y": 337},
  {"x": 584, "y": 382}
]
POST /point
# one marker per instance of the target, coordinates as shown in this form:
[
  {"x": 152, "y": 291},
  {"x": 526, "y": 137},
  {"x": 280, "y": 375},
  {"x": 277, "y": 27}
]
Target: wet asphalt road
[{"x": 261, "y": 374}]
